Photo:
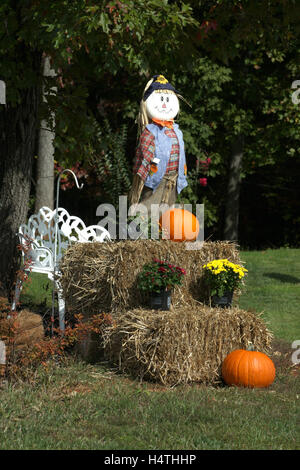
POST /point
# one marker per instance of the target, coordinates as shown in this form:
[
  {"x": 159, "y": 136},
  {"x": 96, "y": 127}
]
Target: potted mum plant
[
  {"x": 158, "y": 279},
  {"x": 222, "y": 277}
]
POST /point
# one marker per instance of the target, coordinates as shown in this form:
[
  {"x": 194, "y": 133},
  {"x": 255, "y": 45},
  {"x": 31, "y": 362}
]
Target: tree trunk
[
  {"x": 233, "y": 190},
  {"x": 17, "y": 141},
  {"x": 45, "y": 162}
]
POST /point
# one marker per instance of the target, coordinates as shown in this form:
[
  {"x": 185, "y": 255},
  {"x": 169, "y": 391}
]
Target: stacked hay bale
[
  {"x": 103, "y": 276},
  {"x": 187, "y": 343},
  {"x": 183, "y": 346}
]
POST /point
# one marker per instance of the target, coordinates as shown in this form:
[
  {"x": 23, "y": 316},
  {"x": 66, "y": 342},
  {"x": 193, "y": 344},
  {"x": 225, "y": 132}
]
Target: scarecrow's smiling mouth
[{"x": 162, "y": 110}]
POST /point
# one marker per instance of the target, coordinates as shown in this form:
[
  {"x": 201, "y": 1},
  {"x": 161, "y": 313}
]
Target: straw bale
[
  {"x": 187, "y": 345},
  {"x": 102, "y": 277},
  {"x": 29, "y": 329}
]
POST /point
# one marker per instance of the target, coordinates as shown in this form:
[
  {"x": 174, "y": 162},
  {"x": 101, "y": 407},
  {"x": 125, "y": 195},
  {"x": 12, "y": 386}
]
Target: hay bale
[
  {"x": 101, "y": 277},
  {"x": 187, "y": 345},
  {"x": 20, "y": 331},
  {"x": 29, "y": 330}
]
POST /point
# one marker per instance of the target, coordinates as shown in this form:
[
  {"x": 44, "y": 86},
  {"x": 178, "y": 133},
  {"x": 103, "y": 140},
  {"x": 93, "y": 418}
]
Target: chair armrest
[{"x": 35, "y": 248}]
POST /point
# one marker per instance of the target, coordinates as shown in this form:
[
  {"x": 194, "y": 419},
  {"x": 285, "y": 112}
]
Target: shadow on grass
[{"x": 283, "y": 278}]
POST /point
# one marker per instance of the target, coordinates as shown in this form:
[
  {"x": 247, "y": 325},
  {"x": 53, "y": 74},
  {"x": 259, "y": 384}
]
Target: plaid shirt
[{"x": 146, "y": 150}]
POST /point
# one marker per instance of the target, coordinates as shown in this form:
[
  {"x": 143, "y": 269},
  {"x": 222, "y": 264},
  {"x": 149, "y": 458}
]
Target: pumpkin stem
[{"x": 250, "y": 346}]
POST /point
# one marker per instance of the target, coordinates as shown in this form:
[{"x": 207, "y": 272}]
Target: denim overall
[{"x": 163, "y": 146}]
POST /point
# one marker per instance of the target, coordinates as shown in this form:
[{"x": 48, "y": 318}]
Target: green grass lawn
[
  {"x": 273, "y": 288},
  {"x": 79, "y": 406},
  {"x": 73, "y": 405},
  {"x": 37, "y": 291}
]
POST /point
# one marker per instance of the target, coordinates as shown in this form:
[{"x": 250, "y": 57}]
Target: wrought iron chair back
[{"x": 51, "y": 230}]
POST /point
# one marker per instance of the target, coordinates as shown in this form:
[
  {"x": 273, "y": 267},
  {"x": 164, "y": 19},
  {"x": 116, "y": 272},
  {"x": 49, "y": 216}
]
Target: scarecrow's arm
[{"x": 144, "y": 156}]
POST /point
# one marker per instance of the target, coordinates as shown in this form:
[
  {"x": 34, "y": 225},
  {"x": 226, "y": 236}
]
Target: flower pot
[
  {"x": 224, "y": 300},
  {"x": 160, "y": 300}
]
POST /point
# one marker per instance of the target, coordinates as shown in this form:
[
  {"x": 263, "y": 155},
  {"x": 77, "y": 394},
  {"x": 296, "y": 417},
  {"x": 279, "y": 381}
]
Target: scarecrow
[{"x": 160, "y": 166}]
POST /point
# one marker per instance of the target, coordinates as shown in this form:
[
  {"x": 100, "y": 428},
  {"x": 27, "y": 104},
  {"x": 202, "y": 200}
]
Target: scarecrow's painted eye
[
  {"x": 167, "y": 99},
  {"x": 161, "y": 98}
]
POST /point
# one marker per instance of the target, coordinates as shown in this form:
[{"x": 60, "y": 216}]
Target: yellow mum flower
[{"x": 219, "y": 265}]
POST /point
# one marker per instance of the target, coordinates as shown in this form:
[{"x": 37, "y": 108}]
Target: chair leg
[
  {"x": 61, "y": 312},
  {"x": 61, "y": 306},
  {"x": 18, "y": 289}
]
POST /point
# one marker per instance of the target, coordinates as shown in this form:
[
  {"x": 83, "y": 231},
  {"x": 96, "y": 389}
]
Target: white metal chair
[{"x": 43, "y": 241}]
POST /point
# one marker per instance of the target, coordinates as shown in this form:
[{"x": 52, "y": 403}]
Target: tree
[
  {"x": 233, "y": 190},
  {"x": 84, "y": 39},
  {"x": 257, "y": 43},
  {"x": 262, "y": 50},
  {"x": 44, "y": 195},
  {"x": 17, "y": 143}
]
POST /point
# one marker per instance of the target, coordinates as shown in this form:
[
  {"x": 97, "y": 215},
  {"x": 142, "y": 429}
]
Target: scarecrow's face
[{"x": 162, "y": 105}]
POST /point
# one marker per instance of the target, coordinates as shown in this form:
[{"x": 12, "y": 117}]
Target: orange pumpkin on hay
[{"x": 179, "y": 225}]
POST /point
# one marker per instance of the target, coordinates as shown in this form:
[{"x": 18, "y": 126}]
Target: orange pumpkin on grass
[
  {"x": 179, "y": 225},
  {"x": 248, "y": 368}
]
